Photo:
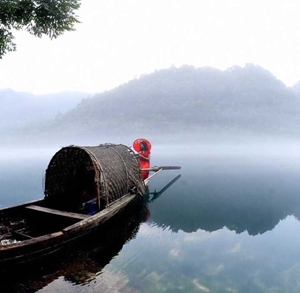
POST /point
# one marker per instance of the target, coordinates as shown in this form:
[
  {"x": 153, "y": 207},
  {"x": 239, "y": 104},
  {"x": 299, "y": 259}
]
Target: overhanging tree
[{"x": 38, "y": 17}]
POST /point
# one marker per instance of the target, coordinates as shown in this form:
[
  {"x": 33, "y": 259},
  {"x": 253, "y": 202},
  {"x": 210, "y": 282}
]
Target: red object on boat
[{"x": 143, "y": 147}]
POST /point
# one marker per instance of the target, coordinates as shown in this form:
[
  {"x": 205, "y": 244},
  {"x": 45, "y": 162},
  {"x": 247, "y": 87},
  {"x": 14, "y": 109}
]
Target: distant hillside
[
  {"x": 188, "y": 99},
  {"x": 182, "y": 103},
  {"x": 19, "y": 110}
]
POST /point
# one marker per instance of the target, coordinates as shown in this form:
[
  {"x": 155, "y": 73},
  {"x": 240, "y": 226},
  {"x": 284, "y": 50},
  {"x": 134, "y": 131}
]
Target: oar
[
  {"x": 146, "y": 181},
  {"x": 157, "y": 168}
]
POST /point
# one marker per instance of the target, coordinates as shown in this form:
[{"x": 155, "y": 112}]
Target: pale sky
[{"x": 119, "y": 40}]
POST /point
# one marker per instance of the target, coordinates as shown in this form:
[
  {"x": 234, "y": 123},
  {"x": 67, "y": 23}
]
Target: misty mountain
[
  {"x": 19, "y": 109},
  {"x": 188, "y": 99},
  {"x": 296, "y": 88}
]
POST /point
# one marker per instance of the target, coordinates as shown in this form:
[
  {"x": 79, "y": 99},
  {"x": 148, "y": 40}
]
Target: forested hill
[{"x": 179, "y": 100}]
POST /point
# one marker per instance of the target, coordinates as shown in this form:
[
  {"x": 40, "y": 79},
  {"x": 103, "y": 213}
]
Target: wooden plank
[{"x": 57, "y": 212}]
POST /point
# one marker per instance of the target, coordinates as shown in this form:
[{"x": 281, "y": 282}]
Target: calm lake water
[{"x": 228, "y": 223}]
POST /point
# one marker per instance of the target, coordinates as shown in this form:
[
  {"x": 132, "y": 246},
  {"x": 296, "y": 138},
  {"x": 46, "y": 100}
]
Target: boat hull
[{"x": 38, "y": 247}]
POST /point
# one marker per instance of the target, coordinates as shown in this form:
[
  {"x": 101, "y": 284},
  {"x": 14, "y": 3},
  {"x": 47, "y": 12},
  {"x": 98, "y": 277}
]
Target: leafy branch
[{"x": 38, "y": 17}]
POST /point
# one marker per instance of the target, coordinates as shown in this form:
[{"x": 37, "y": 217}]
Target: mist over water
[{"x": 22, "y": 174}]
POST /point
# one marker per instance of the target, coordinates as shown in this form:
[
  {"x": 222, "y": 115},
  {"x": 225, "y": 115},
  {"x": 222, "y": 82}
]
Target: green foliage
[{"x": 38, "y": 17}]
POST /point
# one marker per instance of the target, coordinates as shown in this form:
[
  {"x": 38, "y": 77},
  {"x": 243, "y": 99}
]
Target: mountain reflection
[
  {"x": 82, "y": 262},
  {"x": 252, "y": 198}
]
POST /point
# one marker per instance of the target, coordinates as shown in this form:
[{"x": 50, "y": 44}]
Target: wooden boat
[
  {"x": 84, "y": 188},
  {"x": 84, "y": 260}
]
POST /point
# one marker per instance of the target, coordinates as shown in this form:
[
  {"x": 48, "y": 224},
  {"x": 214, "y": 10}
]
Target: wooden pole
[{"x": 157, "y": 168}]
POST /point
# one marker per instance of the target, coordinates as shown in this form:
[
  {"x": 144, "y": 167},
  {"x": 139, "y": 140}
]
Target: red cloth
[
  {"x": 143, "y": 147},
  {"x": 144, "y": 157}
]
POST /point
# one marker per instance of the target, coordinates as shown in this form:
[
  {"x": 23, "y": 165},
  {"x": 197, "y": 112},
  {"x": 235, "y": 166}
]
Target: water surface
[{"x": 228, "y": 224}]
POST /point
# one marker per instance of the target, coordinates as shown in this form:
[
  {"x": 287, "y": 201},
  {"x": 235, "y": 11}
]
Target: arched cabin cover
[{"x": 87, "y": 179}]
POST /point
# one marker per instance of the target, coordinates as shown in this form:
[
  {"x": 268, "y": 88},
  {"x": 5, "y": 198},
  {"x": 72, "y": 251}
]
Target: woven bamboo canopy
[{"x": 104, "y": 173}]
